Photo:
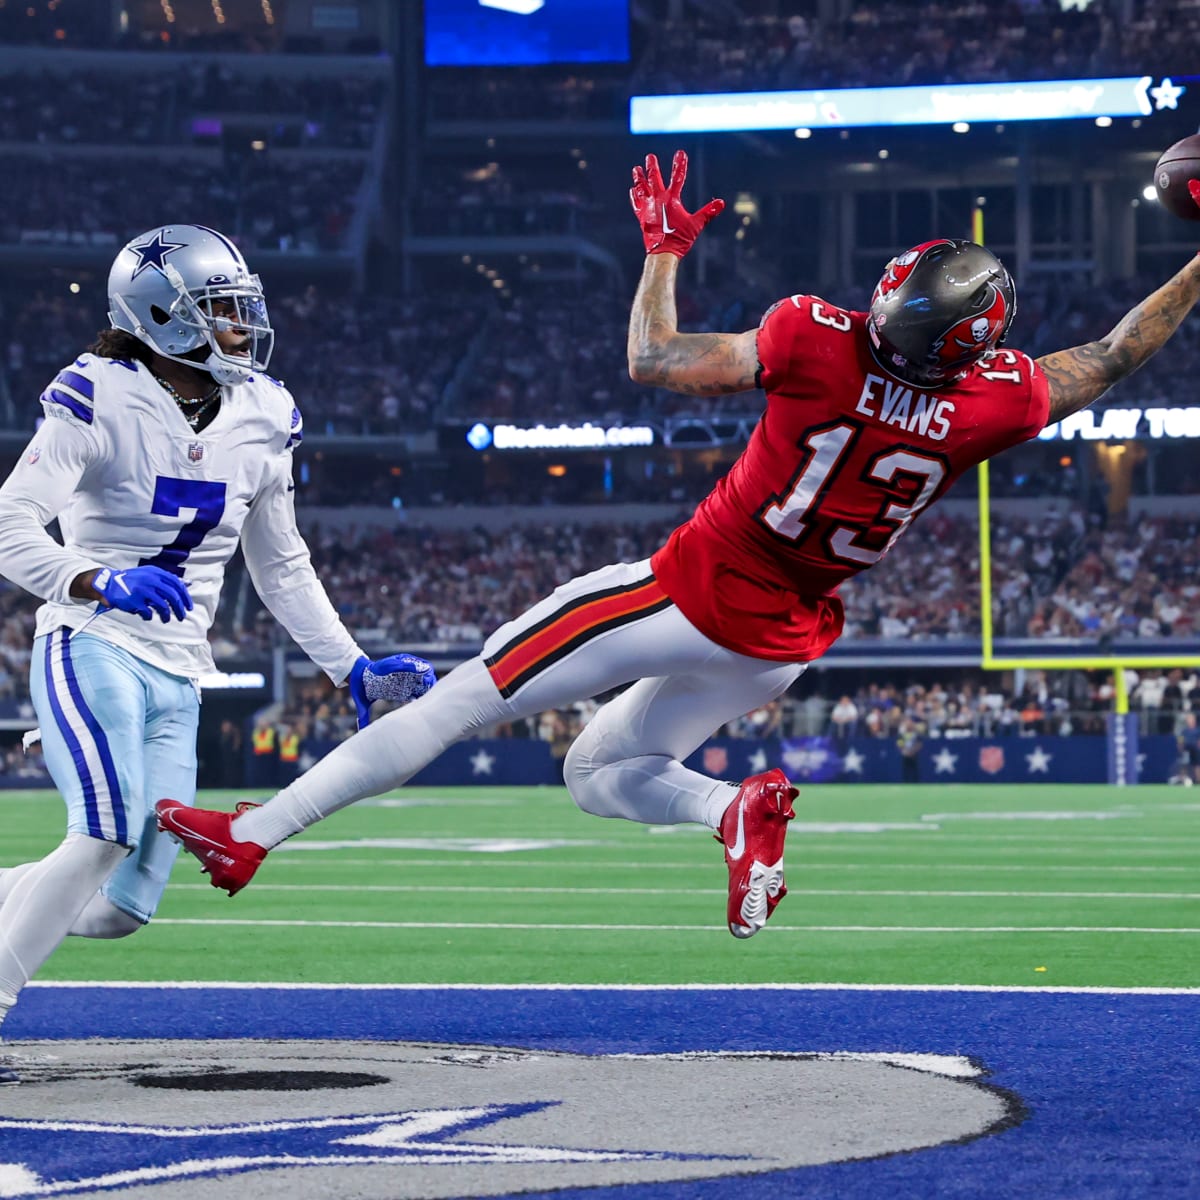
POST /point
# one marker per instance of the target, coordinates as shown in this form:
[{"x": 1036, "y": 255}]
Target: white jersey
[{"x": 132, "y": 483}]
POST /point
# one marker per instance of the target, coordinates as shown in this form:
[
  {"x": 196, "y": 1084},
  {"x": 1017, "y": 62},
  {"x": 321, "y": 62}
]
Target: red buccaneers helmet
[{"x": 939, "y": 308}]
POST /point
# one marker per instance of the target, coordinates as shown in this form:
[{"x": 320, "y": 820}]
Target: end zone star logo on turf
[
  {"x": 461, "y": 1120},
  {"x": 124, "y": 1155}
]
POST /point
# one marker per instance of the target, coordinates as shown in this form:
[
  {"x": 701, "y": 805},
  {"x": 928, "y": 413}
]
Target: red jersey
[{"x": 844, "y": 459}]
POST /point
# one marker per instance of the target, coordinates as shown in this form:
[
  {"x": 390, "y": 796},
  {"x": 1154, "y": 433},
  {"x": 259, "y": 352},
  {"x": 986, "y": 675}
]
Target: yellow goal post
[{"x": 1117, "y": 663}]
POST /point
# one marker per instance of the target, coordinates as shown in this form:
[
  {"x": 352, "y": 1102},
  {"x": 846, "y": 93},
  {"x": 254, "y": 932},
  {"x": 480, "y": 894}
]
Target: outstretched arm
[
  {"x": 697, "y": 364},
  {"x": 1084, "y": 373},
  {"x": 281, "y": 570}
]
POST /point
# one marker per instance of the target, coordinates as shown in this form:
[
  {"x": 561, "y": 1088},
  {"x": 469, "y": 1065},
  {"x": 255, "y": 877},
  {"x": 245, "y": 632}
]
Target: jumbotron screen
[{"x": 472, "y": 33}]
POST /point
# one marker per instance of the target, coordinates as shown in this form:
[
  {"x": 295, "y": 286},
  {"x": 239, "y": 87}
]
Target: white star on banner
[
  {"x": 944, "y": 762},
  {"x": 481, "y": 762},
  {"x": 1039, "y": 760},
  {"x": 758, "y": 762},
  {"x": 852, "y": 763},
  {"x": 1166, "y": 95}
]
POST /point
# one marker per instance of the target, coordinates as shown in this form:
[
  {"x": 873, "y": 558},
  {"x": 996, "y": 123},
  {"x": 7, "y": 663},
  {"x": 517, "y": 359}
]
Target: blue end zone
[{"x": 1111, "y": 1081}]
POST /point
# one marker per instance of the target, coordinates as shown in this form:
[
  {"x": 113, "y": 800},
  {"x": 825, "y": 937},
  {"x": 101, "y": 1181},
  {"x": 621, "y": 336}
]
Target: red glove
[
  {"x": 667, "y": 227},
  {"x": 1194, "y": 190}
]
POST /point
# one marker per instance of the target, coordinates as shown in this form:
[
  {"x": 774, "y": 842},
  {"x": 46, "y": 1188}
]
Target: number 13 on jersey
[{"x": 827, "y": 449}]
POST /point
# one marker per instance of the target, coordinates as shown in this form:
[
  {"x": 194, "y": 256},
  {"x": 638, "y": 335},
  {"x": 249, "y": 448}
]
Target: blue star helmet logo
[{"x": 153, "y": 252}]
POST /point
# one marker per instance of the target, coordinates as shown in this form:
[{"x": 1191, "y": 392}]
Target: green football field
[{"x": 1022, "y": 885}]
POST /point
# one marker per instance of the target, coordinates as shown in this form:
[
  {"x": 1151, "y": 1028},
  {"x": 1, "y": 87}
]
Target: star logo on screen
[
  {"x": 523, "y": 8},
  {"x": 1166, "y": 95}
]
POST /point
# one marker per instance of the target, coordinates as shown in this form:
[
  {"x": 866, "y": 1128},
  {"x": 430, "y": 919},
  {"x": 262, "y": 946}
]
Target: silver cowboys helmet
[{"x": 177, "y": 286}]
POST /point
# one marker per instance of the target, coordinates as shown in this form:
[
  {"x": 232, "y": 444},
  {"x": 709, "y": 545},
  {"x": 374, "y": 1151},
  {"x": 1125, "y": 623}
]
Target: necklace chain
[{"x": 204, "y": 402}]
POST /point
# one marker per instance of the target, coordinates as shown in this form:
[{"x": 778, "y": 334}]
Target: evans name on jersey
[{"x": 895, "y": 403}]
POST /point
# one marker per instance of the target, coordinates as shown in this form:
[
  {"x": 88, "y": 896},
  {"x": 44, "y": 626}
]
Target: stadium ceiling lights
[{"x": 843, "y": 108}]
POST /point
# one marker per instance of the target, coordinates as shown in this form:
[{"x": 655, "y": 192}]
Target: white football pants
[{"x": 597, "y": 632}]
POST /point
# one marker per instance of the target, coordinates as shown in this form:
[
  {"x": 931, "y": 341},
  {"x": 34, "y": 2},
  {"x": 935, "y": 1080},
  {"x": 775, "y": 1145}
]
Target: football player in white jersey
[{"x": 162, "y": 447}]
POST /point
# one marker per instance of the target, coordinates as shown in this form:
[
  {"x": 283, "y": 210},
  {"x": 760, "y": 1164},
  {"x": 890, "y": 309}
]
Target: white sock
[
  {"x": 719, "y": 799},
  {"x": 6, "y": 1002},
  {"x": 380, "y": 757},
  {"x": 654, "y": 789},
  {"x": 45, "y": 903},
  {"x": 100, "y": 917},
  {"x": 9, "y": 877}
]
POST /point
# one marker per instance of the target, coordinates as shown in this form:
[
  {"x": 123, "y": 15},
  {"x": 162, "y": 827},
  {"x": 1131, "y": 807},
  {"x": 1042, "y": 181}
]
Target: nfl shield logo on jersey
[
  {"x": 991, "y": 759},
  {"x": 195, "y": 451}
]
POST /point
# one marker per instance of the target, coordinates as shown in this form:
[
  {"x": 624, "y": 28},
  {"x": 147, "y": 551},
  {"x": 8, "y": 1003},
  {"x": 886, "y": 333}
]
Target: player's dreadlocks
[{"x": 116, "y": 343}]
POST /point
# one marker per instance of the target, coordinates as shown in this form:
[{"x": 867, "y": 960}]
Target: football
[{"x": 1178, "y": 164}]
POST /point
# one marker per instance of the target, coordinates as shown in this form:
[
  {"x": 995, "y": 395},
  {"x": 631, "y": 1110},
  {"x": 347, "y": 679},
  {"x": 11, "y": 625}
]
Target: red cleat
[
  {"x": 752, "y": 830},
  {"x": 229, "y": 864}
]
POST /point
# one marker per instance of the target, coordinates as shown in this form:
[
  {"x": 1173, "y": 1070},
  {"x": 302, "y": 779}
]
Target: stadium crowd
[
  {"x": 901, "y": 42},
  {"x": 382, "y": 367},
  {"x": 264, "y": 203},
  {"x": 957, "y": 705},
  {"x": 354, "y": 368},
  {"x": 546, "y": 359},
  {"x": 752, "y": 47},
  {"x": 378, "y": 363},
  {"x": 1055, "y": 575},
  {"x": 495, "y": 201},
  {"x": 525, "y": 93},
  {"x": 563, "y": 356},
  {"x": 192, "y": 102}
]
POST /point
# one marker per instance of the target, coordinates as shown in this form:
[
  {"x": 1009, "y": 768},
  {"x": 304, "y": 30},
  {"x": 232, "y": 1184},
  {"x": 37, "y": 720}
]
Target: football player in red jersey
[{"x": 869, "y": 419}]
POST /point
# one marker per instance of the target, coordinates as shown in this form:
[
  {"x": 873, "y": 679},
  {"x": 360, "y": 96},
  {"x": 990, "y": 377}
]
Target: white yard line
[
  {"x": 1078, "y": 837},
  {"x": 486, "y": 862},
  {"x": 237, "y": 985},
  {"x": 846, "y": 835},
  {"x": 440, "y": 889},
  {"x": 706, "y": 929}
]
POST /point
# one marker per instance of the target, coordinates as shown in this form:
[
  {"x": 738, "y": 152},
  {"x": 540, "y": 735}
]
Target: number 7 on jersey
[{"x": 171, "y": 497}]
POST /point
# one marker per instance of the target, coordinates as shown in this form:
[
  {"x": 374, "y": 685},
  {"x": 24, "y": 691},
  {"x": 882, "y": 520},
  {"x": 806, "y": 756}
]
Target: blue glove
[
  {"x": 399, "y": 678},
  {"x": 145, "y": 591}
]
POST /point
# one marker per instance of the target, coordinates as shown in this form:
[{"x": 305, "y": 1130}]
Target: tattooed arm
[
  {"x": 697, "y": 364},
  {"x": 1084, "y": 373}
]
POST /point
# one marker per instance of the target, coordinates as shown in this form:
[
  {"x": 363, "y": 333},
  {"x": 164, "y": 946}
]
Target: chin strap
[{"x": 225, "y": 373}]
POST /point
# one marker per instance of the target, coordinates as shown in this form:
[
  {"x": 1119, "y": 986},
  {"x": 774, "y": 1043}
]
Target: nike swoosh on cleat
[
  {"x": 170, "y": 816},
  {"x": 739, "y": 843}
]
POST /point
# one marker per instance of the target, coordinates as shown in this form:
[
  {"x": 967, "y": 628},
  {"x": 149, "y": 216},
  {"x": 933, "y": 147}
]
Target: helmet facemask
[{"x": 196, "y": 311}]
